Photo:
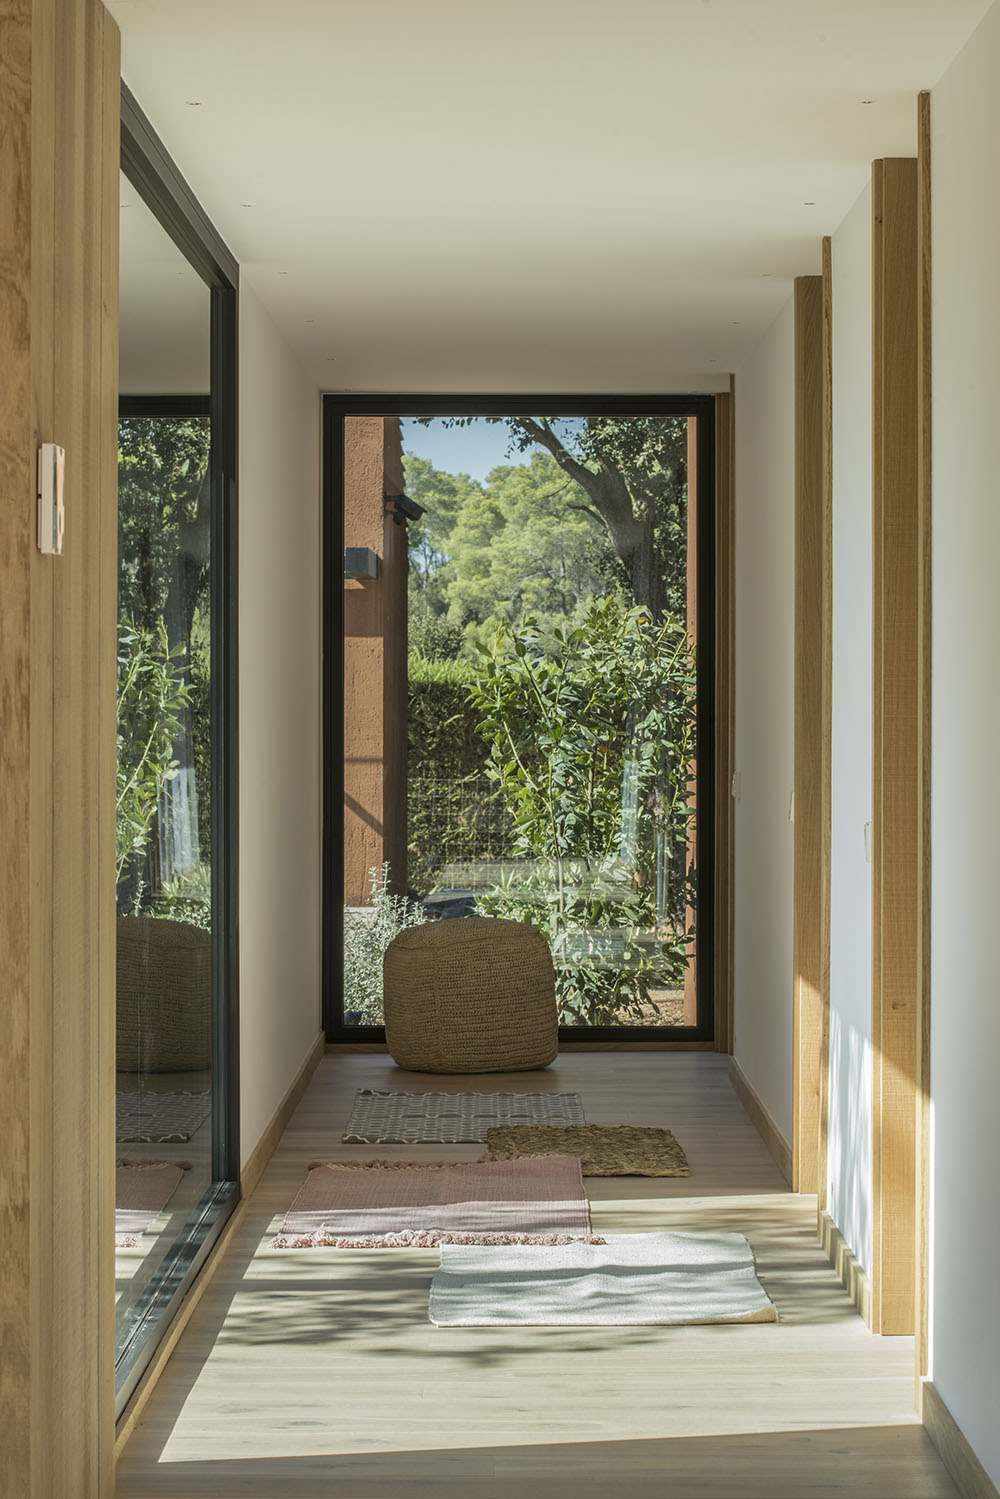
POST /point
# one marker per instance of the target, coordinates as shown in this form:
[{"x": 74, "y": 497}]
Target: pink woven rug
[
  {"x": 416, "y": 1205},
  {"x": 142, "y": 1189}
]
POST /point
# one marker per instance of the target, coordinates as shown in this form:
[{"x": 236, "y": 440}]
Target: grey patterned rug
[
  {"x": 451, "y": 1118},
  {"x": 160, "y": 1118}
]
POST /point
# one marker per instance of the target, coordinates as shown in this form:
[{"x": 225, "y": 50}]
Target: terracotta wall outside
[{"x": 374, "y": 661}]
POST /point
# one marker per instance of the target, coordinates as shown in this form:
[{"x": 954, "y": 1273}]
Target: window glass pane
[
  {"x": 550, "y": 583},
  {"x": 164, "y": 837}
]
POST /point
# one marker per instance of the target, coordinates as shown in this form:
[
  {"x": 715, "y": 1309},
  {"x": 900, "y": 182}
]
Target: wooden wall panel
[
  {"x": 896, "y": 739},
  {"x": 826, "y": 738},
  {"x": 58, "y": 350},
  {"x": 811, "y": 847},
  {"x": 15, "y": 742},
  {"x": 922, "y": 1247},
  {"x": 724, "y": 714}
]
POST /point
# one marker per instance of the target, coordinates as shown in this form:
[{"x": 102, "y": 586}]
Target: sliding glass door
[{"x": 177, "y": 1163}]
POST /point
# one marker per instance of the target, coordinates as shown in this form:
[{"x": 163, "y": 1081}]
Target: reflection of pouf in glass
[
  {"x": 470, "y": 995},
  {"x": 164, "y": 996}
]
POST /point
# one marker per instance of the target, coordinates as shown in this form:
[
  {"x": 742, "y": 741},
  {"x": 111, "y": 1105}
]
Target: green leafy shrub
[
  {"x": 367, "y": 933},
  {"x": 591, "y": 733}
]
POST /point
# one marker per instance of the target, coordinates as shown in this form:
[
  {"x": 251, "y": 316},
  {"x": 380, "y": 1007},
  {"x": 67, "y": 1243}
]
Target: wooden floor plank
[{"x": 316, "y": 1372}]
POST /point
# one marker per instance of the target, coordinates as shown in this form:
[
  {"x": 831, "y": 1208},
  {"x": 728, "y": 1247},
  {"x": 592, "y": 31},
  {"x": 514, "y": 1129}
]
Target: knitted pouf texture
[
  {"x": 470, "y": 994},
  {"x": 164, "y": 1013}
]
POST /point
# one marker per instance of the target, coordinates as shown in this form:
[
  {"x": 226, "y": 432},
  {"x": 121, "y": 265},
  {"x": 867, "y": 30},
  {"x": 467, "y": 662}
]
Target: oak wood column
[
  {"x": 813, "y": 579},
  {"x": 59, "y": 196},
  {"x": 897, "y": 816}
]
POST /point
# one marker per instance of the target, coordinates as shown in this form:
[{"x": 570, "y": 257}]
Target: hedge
[{"x": 449, "y": 819}]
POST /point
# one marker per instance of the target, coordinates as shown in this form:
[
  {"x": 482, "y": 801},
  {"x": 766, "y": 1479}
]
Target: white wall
[
  {"x": 765, "y": 628},
  {"x": 280, "y": 639},
  {"x": 965, "y": 1327},
  {"x": 849, "y": 1169}
]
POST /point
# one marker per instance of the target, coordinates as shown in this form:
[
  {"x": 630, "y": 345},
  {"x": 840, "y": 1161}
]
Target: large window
[
  {"x": 521, "y": 701},
  {"x": 175, "y": 1045}
]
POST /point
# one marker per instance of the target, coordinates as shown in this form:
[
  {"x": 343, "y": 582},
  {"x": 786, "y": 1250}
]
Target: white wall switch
[{"x": 51, "y": 513}]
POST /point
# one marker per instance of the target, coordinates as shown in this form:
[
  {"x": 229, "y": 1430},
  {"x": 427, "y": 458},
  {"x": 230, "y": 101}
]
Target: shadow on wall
[{"x": 849, "y": 1139}]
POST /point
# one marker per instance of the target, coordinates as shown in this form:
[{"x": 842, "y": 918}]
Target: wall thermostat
[{"x": 51, "y": 513}]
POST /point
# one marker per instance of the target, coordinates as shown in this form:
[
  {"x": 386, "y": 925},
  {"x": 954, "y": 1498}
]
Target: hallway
[{"x": 316, "y": 1372}]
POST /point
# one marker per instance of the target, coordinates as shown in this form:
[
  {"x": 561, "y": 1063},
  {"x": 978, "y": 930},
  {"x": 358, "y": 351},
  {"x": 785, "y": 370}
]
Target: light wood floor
[{"x": 308, "y": 1373}]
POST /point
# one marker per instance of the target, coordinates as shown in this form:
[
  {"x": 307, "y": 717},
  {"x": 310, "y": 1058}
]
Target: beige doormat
[
  {"x": 603, "y": 1149},
  {"x": 657, "y": 1279},
  {"x": 417, "y": 1205},
  {"x": 142, "y": 1191}
]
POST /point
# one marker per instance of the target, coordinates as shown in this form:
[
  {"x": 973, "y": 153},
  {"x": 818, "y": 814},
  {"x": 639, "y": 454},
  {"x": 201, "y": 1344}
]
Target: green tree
[
  {"x": 164, "y": 544},
  {"x": 630, "y": 477},
  {"x": 525, "y": 549},
  {"x": 164, "y": 521},
  {"x": 516, "y": 545},
  {"x": 442, "y": 496}
]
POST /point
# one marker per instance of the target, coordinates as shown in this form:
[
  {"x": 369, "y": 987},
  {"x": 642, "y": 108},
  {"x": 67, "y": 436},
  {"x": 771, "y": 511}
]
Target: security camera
[{"x": 403, "y": 508}]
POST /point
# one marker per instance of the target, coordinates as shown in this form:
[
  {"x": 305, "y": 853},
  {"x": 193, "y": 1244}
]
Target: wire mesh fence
[{"x": 453, "y": 821}]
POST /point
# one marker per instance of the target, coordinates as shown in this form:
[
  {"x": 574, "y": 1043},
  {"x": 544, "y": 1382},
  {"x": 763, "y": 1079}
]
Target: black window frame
[{"x": 338, "y": 406}]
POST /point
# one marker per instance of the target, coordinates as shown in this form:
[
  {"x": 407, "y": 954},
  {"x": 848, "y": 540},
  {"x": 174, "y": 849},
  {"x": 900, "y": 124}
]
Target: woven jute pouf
[
  {"x": 472, "y": 994},
  {"x": 164, "y": 1015}
]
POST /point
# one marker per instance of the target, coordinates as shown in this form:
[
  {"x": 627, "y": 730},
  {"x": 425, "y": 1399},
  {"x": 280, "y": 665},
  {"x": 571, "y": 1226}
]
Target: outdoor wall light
[
  {"x": 402, "y": 508},
  {"x": 360, "y": 562}
]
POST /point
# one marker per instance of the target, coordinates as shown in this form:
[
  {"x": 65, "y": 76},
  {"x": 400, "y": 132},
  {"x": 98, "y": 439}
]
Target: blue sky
[{"x": 472, "y": 450}]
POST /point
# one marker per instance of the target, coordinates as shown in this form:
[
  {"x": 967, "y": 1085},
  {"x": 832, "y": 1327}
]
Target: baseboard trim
[
  {"x": 953, "y": 1445},
  {"x": 249, "y": 1177},
  {"x": 266, "y": 1145},
  {"x": 842, "y": 1258},
  {"x": 764, "y": 1124}
]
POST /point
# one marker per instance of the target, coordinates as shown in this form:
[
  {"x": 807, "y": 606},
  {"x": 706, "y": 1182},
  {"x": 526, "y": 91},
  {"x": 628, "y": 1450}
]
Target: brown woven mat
[{"x": 604, "y": 1149}]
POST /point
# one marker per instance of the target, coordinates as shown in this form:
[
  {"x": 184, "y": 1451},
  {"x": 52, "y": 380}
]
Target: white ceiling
[{"x": 540, "y": 194}]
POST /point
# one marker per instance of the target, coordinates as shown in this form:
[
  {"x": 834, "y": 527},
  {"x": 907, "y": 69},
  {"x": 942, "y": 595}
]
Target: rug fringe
[
  {"x": 354, "y": 1165},
  {"x": 424, "y": 1239}
]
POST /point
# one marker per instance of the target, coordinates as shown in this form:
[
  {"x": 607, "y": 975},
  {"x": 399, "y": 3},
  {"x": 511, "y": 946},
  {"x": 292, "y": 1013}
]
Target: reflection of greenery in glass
[
  {"x": 368, "y": 930},
  {"x": 591, "y": 734},
  {"x": 151, "y": 693},
  {"x": 164, "y": 720}
]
